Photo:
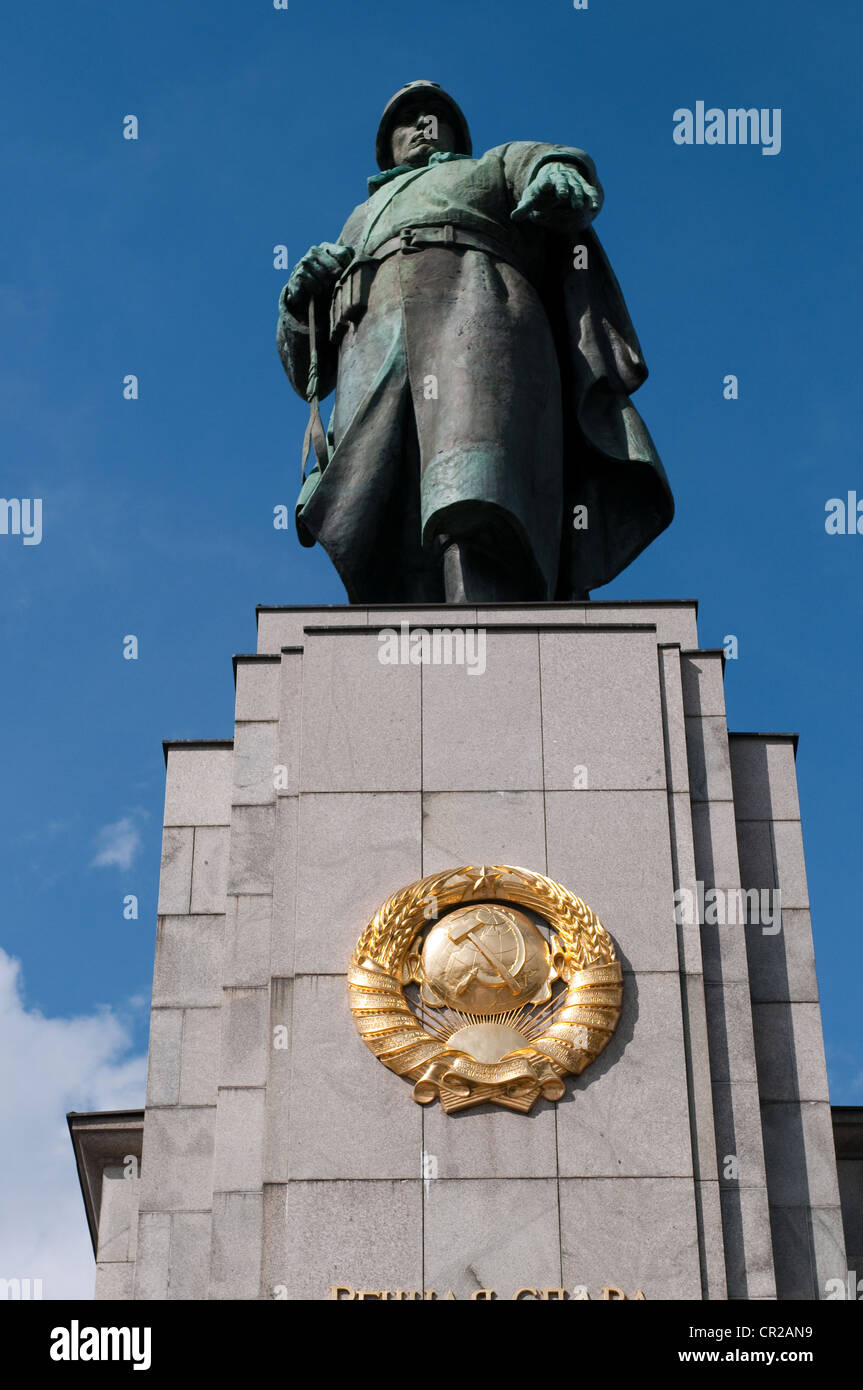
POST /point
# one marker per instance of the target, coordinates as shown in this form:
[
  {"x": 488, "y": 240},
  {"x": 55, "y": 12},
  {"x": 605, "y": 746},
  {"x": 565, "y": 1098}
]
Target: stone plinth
[{"x": 694, "y": 1159}]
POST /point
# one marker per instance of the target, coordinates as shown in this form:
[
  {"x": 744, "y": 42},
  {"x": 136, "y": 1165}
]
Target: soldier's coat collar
[{"x": 377, "y": 181}]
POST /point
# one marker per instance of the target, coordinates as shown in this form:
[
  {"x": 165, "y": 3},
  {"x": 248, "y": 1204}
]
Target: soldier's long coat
[{"x": 475, "y": 393}]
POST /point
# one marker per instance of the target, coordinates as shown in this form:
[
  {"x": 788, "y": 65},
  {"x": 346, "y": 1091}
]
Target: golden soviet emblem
[{"x": 485, "y": 984}]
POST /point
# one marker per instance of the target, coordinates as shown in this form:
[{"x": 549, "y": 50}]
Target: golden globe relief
[{"x": 455, "y": 984}]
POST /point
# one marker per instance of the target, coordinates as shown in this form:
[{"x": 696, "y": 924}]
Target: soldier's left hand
[{"x": 559, "y": 199}]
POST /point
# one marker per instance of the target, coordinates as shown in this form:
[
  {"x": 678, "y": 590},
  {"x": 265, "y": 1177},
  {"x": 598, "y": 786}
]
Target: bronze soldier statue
[{"x": 483, "y": 446}]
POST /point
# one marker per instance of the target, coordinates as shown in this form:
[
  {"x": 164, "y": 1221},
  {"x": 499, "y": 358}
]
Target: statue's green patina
[{"x": 483, "y": 446}]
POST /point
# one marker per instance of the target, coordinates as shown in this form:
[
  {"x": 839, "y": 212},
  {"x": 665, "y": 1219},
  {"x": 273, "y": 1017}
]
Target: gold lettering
[{"x": 611, "y": 1293}]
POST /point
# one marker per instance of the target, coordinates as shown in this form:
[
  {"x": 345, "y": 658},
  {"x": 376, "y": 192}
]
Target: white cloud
[
  {"x": 50, "y": 1066},
  {"x": 117, "y": 844}
]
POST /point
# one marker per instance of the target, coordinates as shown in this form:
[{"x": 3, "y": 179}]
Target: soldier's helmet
[{"x": 411, "y": 90}]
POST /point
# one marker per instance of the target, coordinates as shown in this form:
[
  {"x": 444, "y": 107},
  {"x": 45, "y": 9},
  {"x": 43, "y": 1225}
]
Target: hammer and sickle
[{"x": 469, "y": 931}]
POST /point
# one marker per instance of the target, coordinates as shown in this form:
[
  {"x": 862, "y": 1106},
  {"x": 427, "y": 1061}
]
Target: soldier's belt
[
  {"x": 415, "y": 238},
  {"x": 351, "y": 294}
]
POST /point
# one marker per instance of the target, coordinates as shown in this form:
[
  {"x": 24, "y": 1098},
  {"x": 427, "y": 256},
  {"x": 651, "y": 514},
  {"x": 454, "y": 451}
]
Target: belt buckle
[{"x": 406, "y": 236}]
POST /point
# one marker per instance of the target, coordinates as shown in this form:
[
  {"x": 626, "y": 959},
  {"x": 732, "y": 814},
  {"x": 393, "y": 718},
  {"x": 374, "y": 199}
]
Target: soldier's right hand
[{"x": 314, "y": 275}]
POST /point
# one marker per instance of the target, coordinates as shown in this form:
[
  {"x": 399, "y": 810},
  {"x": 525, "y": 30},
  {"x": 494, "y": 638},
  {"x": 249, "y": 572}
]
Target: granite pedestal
[{"x": 693, "y": 1160}]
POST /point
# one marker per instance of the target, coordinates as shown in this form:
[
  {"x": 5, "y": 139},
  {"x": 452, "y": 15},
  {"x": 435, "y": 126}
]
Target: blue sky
[{"x": 155, "y": 257}]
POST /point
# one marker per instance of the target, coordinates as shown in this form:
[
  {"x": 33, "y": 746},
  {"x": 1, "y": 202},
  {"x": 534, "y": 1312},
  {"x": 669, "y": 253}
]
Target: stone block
[
  {"x": 188, "y": 962},
  {"x": 807, "y": 1251},
  {"x": 466, "y": 1251},
  {"x": 199, "y": 1058},
  {"x": 210, "y": 869},
  {"x": 715, "y": 836},
  {"x": 290, "y": 722},
  {"x": 703, "y": 687},
  {"x": 349, "y": 1116},
  {"x": 832, "y": 1258},
  {"x": 483, "y": 828},
  {"x": 177, "y": 1161},
  {"x": 198, "y": 786},
  {"x": 257, "y": 688},
  {"x": 748, "y": 1242},
  {"x": 542, "y": 614},
  {"x": 315, "y": 1247},
  {"x": 190, "y": 1255},
  {"x": 765, "y": 778},
  {"x": 673, "y": 719},
  {"x": 245, "y": 1036},
  {"x": 790, "y": 864},
  {"x": 248, "y": 929},
  {"x": 627, "y": 1114},
  {"x": 489, "y": 1143},
  {"x": 799, "y": 1154},
  {"x": 276, "y": 1150},
  {"x": 239, "y": 1140},
  {"x": 163, "y": 1058},
  {"x": 685, "y": 876},
  {"x": 709, "y": 762},
  {"x": 114, "y": 1282},
  {"x": 356, "y": 851},
  {"x": 700, "y": 1090},
  {"x": 738, "y": 1135},
  {"x": 612, "y": 849},
  {"x": 723, "y": 954},
  {"x": 361, "y": 719},
  {"x": 755, "y": 849},
  {"x": 153, "y": 1258},
  {"x": 118, "y": 1216},
  {"x": 251, "y": 858},
  {"x": 610, "y": 1235},
  {"x": 274, "y": 1206},
  {"x": 284, "y": 901},
  {"x": 495, "y": 741},
  {"x": 255, "y": 760},
  {"x": 782, "y": 966},
  {"x": 440, "y": 615},
  {"x": 600, "y": 710},
  {"x": 285, "y": 627},
  {"x": 674, "y": 622},
  {"x": 175, "y": 879},
  {"x": 235, "y": 1261},
  {"x": 789, "y": 1048},
  {"x": 729, "y": 1016},
  {"x": 709, "y": 1208},
  {"x": 792, "y": 1253}
]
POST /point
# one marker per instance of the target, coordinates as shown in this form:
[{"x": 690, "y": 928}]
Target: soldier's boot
[{"x": 470, "y": 575}]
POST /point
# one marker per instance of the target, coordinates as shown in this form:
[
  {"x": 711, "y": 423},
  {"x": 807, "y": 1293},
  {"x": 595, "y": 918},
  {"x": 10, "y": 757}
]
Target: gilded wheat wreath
[{"x": 485, "y": 984}]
